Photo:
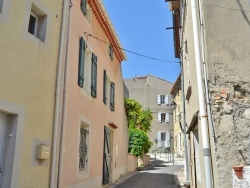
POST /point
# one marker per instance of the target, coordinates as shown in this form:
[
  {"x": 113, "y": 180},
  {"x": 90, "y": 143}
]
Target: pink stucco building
[{"x": 94, "y": 131}]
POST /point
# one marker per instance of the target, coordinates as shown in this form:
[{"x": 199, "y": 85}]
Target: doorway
[{"x": 3, "y": 122}]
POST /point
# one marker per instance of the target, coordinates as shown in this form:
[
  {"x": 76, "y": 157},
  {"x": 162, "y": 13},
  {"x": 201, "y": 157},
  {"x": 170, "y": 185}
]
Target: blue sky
[{"x": 141, "y": 27}]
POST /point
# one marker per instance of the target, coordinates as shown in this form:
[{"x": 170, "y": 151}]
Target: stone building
[
  {"x": 212, "y": 40},
  {"x": 154, "y": 93}
]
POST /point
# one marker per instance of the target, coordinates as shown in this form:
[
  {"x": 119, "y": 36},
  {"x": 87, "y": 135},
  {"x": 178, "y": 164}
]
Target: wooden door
[{"x": 107, "y": 155}]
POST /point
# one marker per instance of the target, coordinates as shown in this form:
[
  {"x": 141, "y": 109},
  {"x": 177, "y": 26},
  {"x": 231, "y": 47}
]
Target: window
[
  {"x": 163, "y": 117},
  {"x": 112, "y": 96},
  {"x": 81, "y": 62},
  {"x": 84, "y": 6},
  {"x": 111, "y": 52},
  {"x": 83, "y": 147},
  {"x": 37, "y": 23},
  {"x": 163, "y": 139},
  {"x": 94, "y": 76},
  {"x": 162, "y": 99}
]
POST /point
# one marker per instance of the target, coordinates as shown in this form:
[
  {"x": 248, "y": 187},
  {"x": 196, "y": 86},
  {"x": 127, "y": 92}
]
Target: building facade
[
  {"x": 179, "y": 148},
  {"x": 210, "y": 41},
  {"x": 30, "y": 39},
  {"x": 93, "y": 150},
  {"x": 156, "y": 97}
]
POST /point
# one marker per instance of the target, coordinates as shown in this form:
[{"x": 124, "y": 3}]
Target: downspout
[
  {"x": 202, "y": 108},
  {"x": 58, "y": 101},
  {"x": 183, "y": 98},
  {"x": 184, "y": 122},
  {"x": 210, "y": 119},
  {"x": 61, "y": 148}
]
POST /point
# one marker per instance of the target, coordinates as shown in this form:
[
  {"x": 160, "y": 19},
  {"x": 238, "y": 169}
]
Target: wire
[{"x": 135, "y": 53}]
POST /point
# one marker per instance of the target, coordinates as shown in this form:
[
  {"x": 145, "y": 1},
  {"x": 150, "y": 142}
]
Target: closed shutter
[
  {"x": 105, "y": 87},
  {"x": 111, "y": 52},
  {"x": 84, "y": 6},
  {"x": 158, "y": 99},
  {"x": 167, "y": 118},
  {"x": 81, "y": 62},
  {"x": 159, "y": 117},
  {"x": 159, "y": 139},
  {"x": 112, "y": 96},
  {"x": 94, "y": 76},
  {"x": 166, "y": 100}
]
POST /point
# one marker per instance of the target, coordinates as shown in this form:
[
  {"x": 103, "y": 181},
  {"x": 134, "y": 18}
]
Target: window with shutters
[
  {"x": 163, "y": 139},
  {"x": 94, "y": 76},
  {"x": 112, "y": 96},
  {"x": 105, "y": 87},
  {"x": 162, "y": 99},
  {"x": 83, "y": 147},
  {"x": 86, "y": 10},
  {"x": 163, "y": 117},
  {"x": 82, "y": 47}
]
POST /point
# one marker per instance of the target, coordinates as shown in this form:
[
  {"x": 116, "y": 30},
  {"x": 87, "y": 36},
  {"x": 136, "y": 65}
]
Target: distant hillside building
[{"x": 154, "y": 93}]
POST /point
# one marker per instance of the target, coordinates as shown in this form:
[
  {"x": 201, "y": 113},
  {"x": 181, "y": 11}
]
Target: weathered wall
[
  {"x": 132, "y": 163},
  {"x": 227, "y": 40}
]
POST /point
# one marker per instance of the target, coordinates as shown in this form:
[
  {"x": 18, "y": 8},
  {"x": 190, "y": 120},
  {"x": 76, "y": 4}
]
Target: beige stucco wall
[
  {"x": 82, "y": 107},
  {"x": 27, "y": 79},
  {"x": 132, "y": 163}
]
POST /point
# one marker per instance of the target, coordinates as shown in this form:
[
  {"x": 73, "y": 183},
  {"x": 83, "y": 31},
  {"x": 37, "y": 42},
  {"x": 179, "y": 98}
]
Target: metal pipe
[
  {"x": 202, "y": 108},
  {"x": 65, "y": 92},
  {"x": 58, "y": 101}
]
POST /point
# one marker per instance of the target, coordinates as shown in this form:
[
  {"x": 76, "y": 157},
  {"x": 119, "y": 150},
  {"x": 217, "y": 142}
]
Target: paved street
[{"x": 162, "y": 175}]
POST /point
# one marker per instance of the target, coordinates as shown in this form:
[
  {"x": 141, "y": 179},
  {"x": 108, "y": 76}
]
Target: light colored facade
[
  {"x": 30, "y": 38},
  {"x": 177, "y": 118},
  {"x": 215, "y": 45},
  {"x": 154, "y": 93},
  {"x": 95, "y": 133}
]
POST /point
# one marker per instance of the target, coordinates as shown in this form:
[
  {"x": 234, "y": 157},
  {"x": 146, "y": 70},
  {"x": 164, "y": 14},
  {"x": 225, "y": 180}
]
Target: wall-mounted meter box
[{"x": 43, "y": 152}]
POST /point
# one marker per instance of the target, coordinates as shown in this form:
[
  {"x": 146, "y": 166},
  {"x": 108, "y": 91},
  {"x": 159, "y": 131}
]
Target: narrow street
[{"x": 161, "y": 175}]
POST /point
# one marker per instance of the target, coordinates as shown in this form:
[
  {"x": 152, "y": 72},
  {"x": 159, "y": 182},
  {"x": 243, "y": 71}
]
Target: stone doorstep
[{"x": 182, "y": 180}]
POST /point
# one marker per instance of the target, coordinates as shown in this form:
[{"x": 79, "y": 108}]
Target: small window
[
  {"x": 162, "y": 99},
  {"x": 37, "y": 23},
  {"x": 111, "y": 52},
  {"x": 83, "y": 147},
  {"x": 163, "y": 117},
  {"x": 163, "y": 136}
]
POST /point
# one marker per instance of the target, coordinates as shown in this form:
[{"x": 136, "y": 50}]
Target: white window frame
[
  {"x": 163, "y": 143},
  {"x": 36, "y": 24},
  {"x": 167, "y": 117}
]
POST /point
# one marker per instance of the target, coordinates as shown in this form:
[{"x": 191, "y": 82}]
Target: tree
[
  {"x": 139, "y": 123},
  {"x": 136, "y": 116},
  {"x": 138, "y": 142}
]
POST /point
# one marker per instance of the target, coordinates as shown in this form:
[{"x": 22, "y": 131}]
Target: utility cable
[{"x": 135, "y": 53}]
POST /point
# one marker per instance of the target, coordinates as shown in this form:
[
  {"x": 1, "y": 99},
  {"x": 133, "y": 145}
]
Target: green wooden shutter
[
  {"x": 81, "y": 62},
  {"x": 105, "y": 87},
  {"x": 84, "y": 6},
  {"x": 106, "y": 156},
  {"x": 112, "y": 96},
  {"x": 94, "y": 76}
]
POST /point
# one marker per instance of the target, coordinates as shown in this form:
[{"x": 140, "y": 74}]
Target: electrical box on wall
[{"x": 43, "y": 152}]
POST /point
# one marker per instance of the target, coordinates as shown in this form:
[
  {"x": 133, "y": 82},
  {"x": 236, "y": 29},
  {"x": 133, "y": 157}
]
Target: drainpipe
[
  {"x": 184, "y": 121},
  {"x": 58, "y": 99},
  {"x": 202, "y": 108},
  {"x": 61, "y": 148}
]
